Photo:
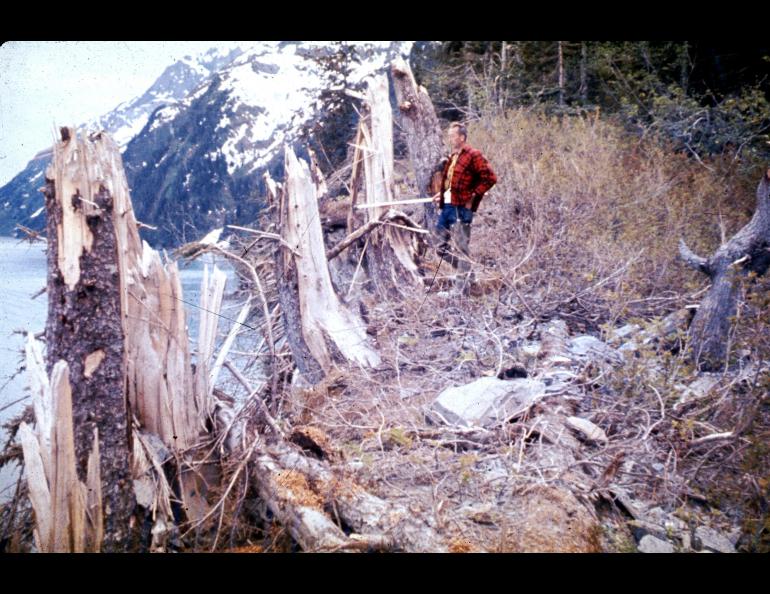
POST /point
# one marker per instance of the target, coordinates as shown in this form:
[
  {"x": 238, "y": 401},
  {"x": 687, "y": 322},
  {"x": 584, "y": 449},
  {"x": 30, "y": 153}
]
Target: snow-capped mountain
[
  {"x": 128, "y": 119},
  {"x": 197, "y": 163},
  {"x": 20, "y": 200}
]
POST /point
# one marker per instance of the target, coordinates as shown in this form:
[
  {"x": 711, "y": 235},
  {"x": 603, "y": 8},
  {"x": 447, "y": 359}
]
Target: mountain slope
[{"x": 20, "y": 199}]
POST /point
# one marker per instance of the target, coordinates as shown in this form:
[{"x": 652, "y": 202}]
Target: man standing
[{"x": 466, "y": 177}]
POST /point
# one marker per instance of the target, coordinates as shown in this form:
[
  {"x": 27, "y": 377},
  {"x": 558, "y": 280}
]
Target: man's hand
[{"x": 437, "y": 199}]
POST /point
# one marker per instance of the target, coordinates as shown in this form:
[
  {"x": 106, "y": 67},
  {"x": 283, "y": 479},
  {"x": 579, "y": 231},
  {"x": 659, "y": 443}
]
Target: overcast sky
[{"x": 46, "y": 84}]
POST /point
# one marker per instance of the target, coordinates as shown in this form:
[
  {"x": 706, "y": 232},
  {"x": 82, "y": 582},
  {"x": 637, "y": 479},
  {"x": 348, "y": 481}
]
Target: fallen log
[{"x": 299, "y": 490}]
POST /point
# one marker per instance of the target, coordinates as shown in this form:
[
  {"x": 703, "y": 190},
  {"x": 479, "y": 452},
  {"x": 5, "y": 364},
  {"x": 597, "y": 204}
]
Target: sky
[{"x": 47, "y": 84}]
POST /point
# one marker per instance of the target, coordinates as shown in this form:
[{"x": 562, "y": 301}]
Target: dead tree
[
  {"x": 330, "y": 331},
  {"x": 84, "y": 326},
  {"x": 117, "y": 351},
  {"x": 391, "y": 252},
  {"x": 746, "y": 252},
  {"x": 422, "y": 130},
  {"x": 288, "y": 291}
]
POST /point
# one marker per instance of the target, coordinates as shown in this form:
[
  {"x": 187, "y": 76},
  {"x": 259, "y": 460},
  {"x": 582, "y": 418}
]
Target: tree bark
[
  {"x": 422, "y": 129},
  {"x": 84, "y": 326},
  {"x": 299, "y": 490},
  {"x": 746, "y": 252}
]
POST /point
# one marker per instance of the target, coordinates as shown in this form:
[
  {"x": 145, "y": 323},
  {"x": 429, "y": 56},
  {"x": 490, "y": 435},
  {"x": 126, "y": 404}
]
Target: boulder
[
  {"x": 651, "y": 544},
  {"x": 619, "y": 334},
  {"x": 486, "y": 402},
  {"x": 713, "y": 540}
]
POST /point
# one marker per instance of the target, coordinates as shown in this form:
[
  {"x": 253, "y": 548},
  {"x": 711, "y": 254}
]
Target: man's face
[{"x": 455, "y": 139}]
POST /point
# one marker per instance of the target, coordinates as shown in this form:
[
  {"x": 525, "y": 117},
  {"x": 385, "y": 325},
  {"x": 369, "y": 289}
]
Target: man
[{"x": 465, "y": 178}]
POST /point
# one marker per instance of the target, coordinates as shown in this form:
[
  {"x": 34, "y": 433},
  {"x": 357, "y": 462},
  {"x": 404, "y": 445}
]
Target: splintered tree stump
[
  {"x": 747, "y": 251},
  {"x": 288, "y": 293},
  {"x": 421, "y": 128},
  {"x": 330, "y": 330},
  {"x": 84, "y": 326},
  {"x": 391, "y": 253}
]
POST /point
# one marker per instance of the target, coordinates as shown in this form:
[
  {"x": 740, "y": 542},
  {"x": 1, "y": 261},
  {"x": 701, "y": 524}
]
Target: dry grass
[{"x": 601, "y": 214}]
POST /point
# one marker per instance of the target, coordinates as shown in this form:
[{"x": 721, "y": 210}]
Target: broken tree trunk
[
  {"x": 422, "y": 130},
  {"x": 746, "y": 252},
  {"x": 330, "y": 330},
  {"x": 116, "y": 319},
  {"x": 84, "y": 326},
  {"x": 288, "y": 292},
  {"x": 391, "y": 254}
]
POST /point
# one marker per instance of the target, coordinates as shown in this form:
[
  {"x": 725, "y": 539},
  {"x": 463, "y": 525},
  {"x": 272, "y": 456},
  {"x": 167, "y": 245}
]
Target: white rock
[
  {"x": 486, "y": 401},
  {"x": 588, "y": 429},
  {"x": 711, "y": 539},
  {"x": 650, "y": 544}
]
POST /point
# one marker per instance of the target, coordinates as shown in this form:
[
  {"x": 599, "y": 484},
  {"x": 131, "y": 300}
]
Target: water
[{"x": 23, "y": 271}]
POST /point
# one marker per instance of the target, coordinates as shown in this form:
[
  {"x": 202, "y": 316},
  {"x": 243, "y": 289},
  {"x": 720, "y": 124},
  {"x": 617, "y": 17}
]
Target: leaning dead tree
[
  {"x": 747, "y": 251},
  {"x": 421, "y": 128}
]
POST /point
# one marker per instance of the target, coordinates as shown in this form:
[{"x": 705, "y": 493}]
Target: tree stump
[
  {"x": 391, "y": 254},
  {"x": 84, "y": 326},
  {"x": 422, "y": 130},
  {"x": 329, "y": 329}
]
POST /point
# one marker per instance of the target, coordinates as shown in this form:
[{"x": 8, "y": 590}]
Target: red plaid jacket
[{"x": 472, "y": 178}]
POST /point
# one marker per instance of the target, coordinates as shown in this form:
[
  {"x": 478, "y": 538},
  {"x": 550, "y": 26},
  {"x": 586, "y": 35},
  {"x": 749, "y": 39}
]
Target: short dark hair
[{"x": 460, "y": 128}]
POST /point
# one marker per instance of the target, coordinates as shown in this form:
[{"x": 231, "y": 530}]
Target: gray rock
[
  {"x": 628, "y": 347},
  {"x": 650, "y": 544},
  {"x": 486, "y": 402},
  {"x": 713, "y": 540},
  {"x": 697, "y": 389},
  {"x": 624, "y": 331},
  {"x": 590, "y": 347},
  {"x": 556, "y": 380}
]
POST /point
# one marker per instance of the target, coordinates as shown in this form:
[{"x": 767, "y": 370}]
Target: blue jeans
[{"x": 447, "y": 219}]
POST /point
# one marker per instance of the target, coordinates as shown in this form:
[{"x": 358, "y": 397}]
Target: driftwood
[
  {"x": 421, "y": 128},
  {"x": 747, "y": 251}
]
